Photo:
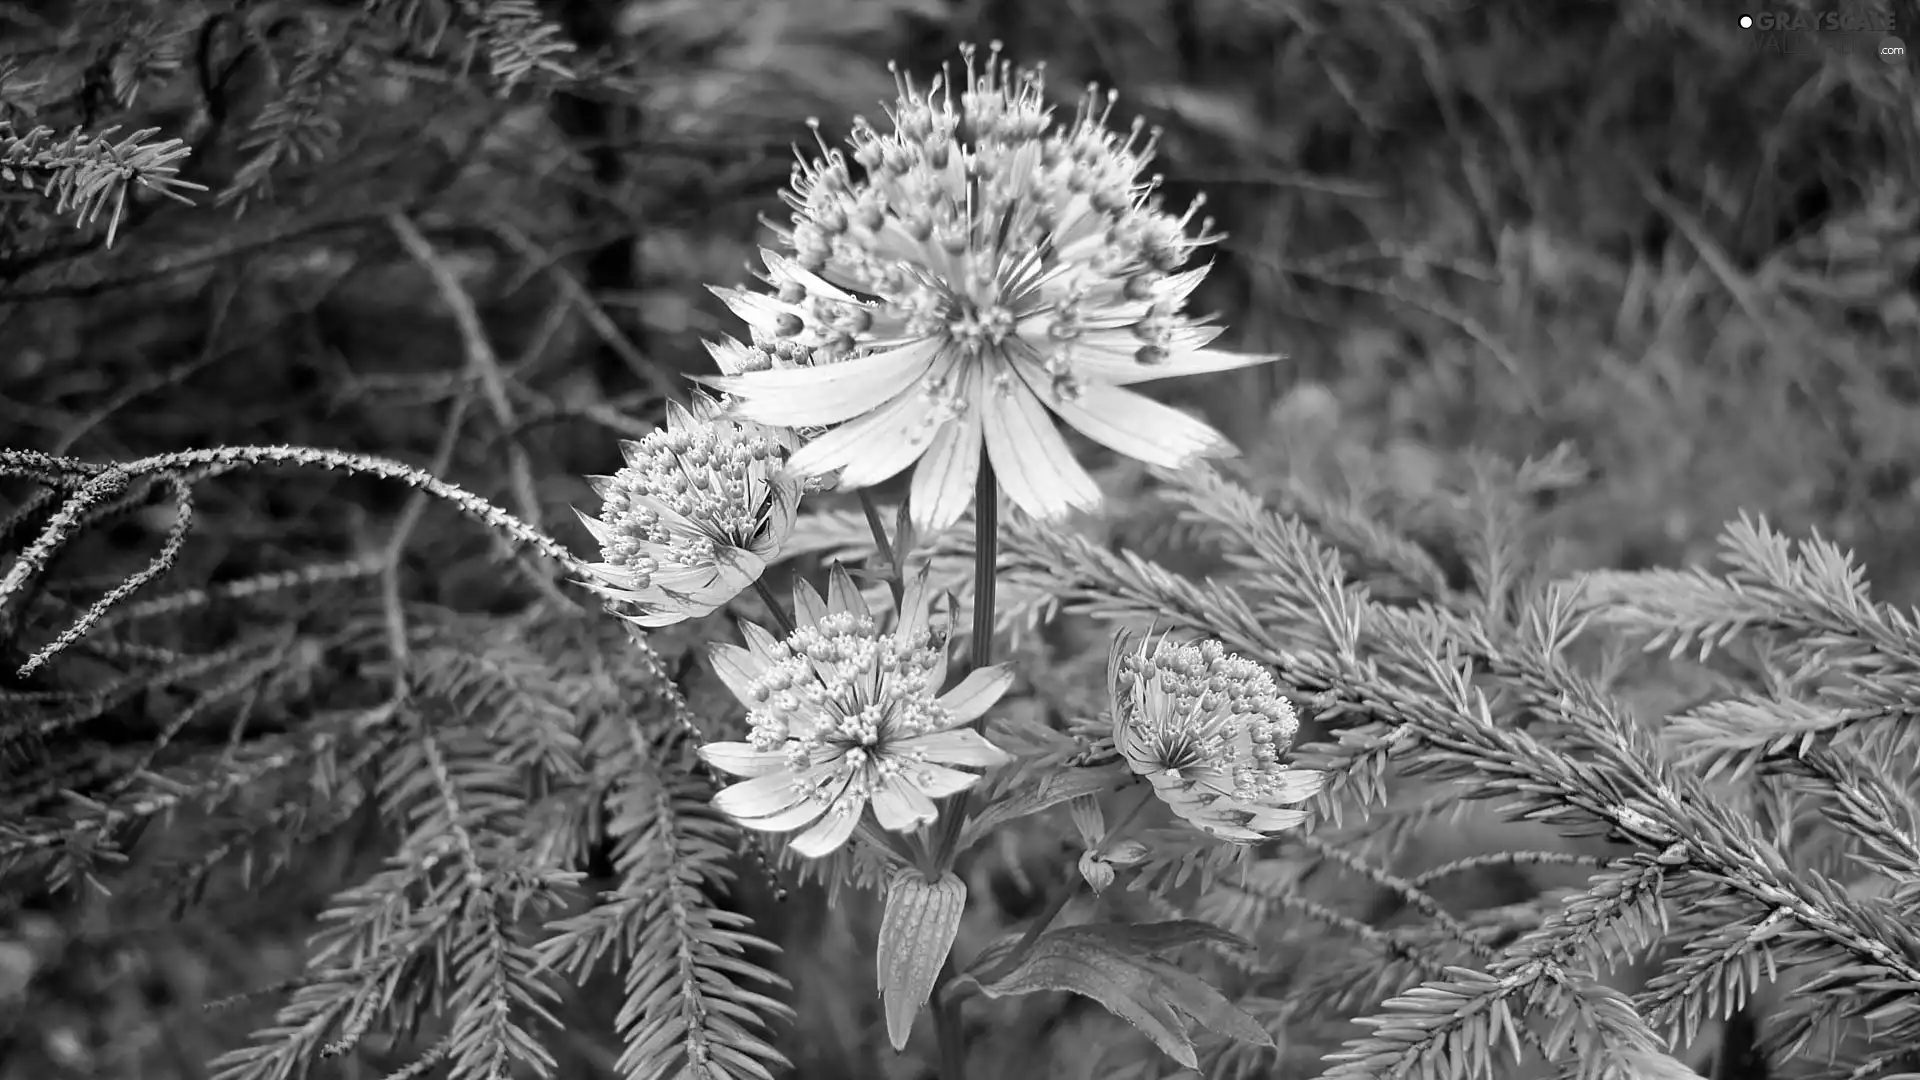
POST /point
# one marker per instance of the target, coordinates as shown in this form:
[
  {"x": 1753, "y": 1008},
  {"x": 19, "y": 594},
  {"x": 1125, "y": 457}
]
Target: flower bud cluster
[
  {"x": 713, "y": 475},
  {"x": 695, "y": 515},
  {"x": 840, "y": 684},
  {"x": 1211, "y": 731},
  {"x": 1213, "y": 710}
]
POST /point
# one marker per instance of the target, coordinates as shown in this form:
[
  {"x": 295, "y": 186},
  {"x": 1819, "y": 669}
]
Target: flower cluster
[
  {"x": 846, "y": 716},
  {"x": 961, "y": 276},
  {"x": 1210, "y": 731},
  {"x": 696, "y": 515}
]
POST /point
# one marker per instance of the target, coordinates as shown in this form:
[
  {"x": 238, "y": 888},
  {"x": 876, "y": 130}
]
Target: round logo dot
[
  {"x": 1746, "y": 22},
  {"x": 1893, "y": 50}
]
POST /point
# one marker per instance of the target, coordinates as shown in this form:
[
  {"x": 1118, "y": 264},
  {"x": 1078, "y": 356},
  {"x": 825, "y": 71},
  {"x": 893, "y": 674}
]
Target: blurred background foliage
[{"x": 1486, "y": 224}]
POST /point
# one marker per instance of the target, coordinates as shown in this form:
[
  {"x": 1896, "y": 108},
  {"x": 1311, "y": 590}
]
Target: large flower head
[
  {"x": 845, "y": 716},
  {"x": 696, "y": 514},
  {"x": 964, "y": 275},
  {"x": 1210, "y": 731}
]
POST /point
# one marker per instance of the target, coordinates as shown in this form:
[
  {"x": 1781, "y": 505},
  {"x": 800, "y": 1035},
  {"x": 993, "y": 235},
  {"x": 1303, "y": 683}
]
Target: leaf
[
  {"x": 1027, "y": 737},
  {"x": 903, "y": 538},
  {"x": 1052, "y": 791},
  {"x": 916, "y": 932},
  {"x": 1119, "y": 966}
]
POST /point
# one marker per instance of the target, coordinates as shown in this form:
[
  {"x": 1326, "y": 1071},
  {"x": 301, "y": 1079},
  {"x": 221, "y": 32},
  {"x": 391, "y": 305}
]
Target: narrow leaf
[
  {"x": 916, "y": 932},
  {"x": 1120, "y": 967},
  {"x": 1052, "y": 791}
]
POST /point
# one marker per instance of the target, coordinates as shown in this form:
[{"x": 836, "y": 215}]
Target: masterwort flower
[
  {"x": 696, "y": 515},
  {"x": 1210, "y": 731},
  {"x": 982, "y": 267},
  {"x": 845, "y": 716}
]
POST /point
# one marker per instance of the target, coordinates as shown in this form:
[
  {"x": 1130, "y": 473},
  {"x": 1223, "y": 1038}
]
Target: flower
[
  {"x": 1209, "y": 730},
  {"x": 845, "y": 716},
  {"x": 696, "y": 515},
  {"x": 985, "y": 267}
]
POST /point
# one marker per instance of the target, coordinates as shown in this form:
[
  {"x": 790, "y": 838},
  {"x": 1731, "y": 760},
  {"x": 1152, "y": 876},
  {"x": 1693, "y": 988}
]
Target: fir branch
[
  {"x": 1720, "y": 966},
  {"x": 379, "y": 938},
  {"x": 1813, "y": 592},
  {"x": 439, "y": 930},
  {"x": 300, "y": 123},
  {"x": 87, "y": 829},
  {"x": 307, "y": 576},
  {"x": 1083, "y": 577},
  {"x": 514, "y": 39},
  {"x": 1302, "y": 582},
  {"x": 689, "y": 1009},
  {"x": 1370, "y": 550},
  {"x": 103, "y": 483},
  {"x": 87, "y": 173},
  {"x": 518, "y": 41},
  {"x": 1867, "y": 805}
]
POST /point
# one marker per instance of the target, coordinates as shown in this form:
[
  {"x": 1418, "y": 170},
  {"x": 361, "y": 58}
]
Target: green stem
[
  {"x": 986, "y": 564},
  {"x": 947, "y": 1030},
  {"x": 896, "y": 560},
  {"x": 1064, "y": 896},
  {"x": 1119, "y": 828},
  {"x": 986, "y": 536},
  {"x": 779, "y": 613}
]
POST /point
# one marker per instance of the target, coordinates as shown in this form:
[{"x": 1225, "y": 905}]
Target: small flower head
[
  {"x": 845, "y": 716},
  {"x": 1210, "y": 731},
  {"x": 951, "y": 281},
  {"x": 695, "y": 515}
]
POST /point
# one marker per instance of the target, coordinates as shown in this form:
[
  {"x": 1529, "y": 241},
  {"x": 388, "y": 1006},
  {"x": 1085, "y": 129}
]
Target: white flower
[
  {"x": 1210, "y": 731},
  {"x": 696, "y": 515},
  {"x": 984, "y": 268},
  {"x": 845, "y": 716}
]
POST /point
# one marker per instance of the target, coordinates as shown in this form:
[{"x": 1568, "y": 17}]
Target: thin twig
[
  {"x": 597, "y": 318},
  {"x": 484, "y": 365}
]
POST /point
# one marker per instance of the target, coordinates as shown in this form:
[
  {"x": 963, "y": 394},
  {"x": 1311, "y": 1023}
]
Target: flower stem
[
  {"x": 947, "y": 1024},
  {"x": 1119, "y": 828},
  {"x": 773, "y": 605},
  {"x": 896, "y": 559},
  {"x": 986, "y": 563},
  {"x": 947, "y": 1030}
]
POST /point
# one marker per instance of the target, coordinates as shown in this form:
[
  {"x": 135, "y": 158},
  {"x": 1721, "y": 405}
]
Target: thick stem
[
  {"x": 773, "y": 604},
  {"x": 946, "y": 1029},
  {"x": 986, "y": 535},
  {"x": 986, "y": 563}
]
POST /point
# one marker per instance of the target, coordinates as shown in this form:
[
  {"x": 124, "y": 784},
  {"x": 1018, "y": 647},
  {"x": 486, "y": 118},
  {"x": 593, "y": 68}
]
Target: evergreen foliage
[{"x": 495, "y": 790}]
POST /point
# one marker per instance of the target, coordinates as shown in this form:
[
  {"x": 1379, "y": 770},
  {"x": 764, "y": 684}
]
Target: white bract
[
  {"x": 845, "y": 716},
  {"x": 984, "y": 267},
  {"x": 1210, "y": 731},
  {"x": 696, "y": 515}
]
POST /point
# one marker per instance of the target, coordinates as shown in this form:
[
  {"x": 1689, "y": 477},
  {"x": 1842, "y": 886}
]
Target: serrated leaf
[
  {"x": 1052, "y": 791},
  {"x": 916, "y": 933},
  {"x": 1121, "y": 967},
  {"x": 1026, "y": 737}
]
